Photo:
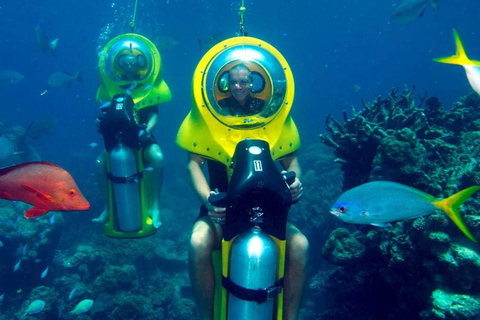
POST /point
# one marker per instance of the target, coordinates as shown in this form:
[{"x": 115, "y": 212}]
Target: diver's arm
[
  {"x": 200, "y": 186},
  {"x": 152, "y": 121},
  {"x": 290, "y": 163},
  {"x": 197, "y": 178}
]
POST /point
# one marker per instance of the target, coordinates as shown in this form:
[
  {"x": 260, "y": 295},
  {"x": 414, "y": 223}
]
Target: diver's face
[
  {"x": 239, "y": 84},
  {"x": 130, "y": 66}
]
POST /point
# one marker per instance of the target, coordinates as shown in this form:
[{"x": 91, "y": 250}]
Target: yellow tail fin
[
  {"x": 461, "y": 57},
  {"x": 451, "y": 205}
]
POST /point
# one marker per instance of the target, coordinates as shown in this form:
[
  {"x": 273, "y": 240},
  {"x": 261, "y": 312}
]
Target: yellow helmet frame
[
  {"x": 148, "y": 88},
  {"x": 210, "y": 132}
]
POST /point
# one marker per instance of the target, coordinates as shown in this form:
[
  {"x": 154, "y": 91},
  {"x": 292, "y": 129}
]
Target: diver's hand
[
  {"x": 98, "y": 121},
  {"x": 296, "y": 190},
  {"x": 216, "y": 214},
  {"x": 143, "y": 135}
]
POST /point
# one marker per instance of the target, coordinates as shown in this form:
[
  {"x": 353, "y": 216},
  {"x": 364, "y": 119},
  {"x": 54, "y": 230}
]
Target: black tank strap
[
  {"x": 257, "y": 295},
  {"x": 115, "y": 179}
]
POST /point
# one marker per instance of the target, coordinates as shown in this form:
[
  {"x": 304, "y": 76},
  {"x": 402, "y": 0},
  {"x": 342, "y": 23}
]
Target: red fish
[{"x": 44, "y": 185}]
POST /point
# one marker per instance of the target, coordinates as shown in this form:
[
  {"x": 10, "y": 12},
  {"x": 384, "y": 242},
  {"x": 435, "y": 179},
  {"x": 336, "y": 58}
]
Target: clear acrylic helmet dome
[
  {"x": 119, "y": 56},
  {"x": 267, "y": 83}
]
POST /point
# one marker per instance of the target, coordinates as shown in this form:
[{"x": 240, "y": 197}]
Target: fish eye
[
  {"x": 72, "y": 192},
  {"x": 342, "y": 209}
]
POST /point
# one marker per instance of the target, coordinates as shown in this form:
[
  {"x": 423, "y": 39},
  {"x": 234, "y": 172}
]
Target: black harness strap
[
  {"x": 115, "y": 179},
  {"x": 257, "y": 295}
]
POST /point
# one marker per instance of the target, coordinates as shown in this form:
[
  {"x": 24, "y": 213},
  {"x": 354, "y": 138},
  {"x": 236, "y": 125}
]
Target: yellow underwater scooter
[
  {"x": 121, "y": 96},
  {"x": 258, "y": 199}
]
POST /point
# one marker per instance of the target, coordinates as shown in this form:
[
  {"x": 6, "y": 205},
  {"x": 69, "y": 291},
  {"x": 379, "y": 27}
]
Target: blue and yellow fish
[
  {"x": 472, "y": 67},
  {"x": 380, "y": 202}
]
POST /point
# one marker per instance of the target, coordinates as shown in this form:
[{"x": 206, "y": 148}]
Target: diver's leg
[
  {"x": 101, "y": 172},
  {"x": 206, "y": 237},
  {"x": 295, "y": 271},
  {"x": 154, "y": 159}
]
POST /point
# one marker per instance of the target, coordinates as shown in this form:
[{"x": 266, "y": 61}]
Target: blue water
[{"x": 331, "y": 47}]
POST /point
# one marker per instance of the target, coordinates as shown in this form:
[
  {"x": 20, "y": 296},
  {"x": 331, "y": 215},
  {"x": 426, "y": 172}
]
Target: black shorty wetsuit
[
  {"x": 143, "y": 118},
  {"x": 218, "y": 179},
  {"x": 232, "y": 108}
]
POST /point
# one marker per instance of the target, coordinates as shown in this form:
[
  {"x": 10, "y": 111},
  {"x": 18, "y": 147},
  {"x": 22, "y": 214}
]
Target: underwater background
[{"x": 341, "y": 53}]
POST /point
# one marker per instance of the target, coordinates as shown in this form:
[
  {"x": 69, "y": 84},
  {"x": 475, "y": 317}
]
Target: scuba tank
[
  {"x": 257, "y": 204},
  {"x": 124, "y": 177},
  {"x": 120, "y": 133},
  {"x": 253, "y": 266}
]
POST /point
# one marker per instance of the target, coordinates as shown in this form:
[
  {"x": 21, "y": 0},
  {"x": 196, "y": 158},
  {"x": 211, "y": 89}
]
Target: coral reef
[
  {"x": 429, "y": 148},
  {"x": 418, "y": 269}
]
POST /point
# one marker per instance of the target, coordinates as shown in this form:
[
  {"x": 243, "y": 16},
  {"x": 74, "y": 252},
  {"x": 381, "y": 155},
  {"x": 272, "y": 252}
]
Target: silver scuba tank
[
  {"x": 253, "y": 265},
  {"x": 123, "y": 165}
]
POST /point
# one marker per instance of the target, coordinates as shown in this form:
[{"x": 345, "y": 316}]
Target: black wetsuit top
[
  {"x": 232, "y": 107},
  {"x": 217, "y": 179}
]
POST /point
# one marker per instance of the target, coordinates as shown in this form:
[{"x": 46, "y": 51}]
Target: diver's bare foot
[
  {"x": 155, "y": 215},
  {"x": 102, "y": 218}
]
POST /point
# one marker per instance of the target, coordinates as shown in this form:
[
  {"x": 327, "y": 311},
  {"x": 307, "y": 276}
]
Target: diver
[
  {"x": 207, "y": 235},
  {"x": 130, "y": 64},
  {"x": 241, "y": 102},
  {"x": 209, "y": 136}
]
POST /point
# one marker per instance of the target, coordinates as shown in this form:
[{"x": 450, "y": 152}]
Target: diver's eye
[
  {"x": 72, "y": 192},
  {"x": 342, "y": 209}
]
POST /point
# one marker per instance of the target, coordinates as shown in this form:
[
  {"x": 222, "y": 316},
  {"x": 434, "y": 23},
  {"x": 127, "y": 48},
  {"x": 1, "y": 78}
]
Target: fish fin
[
  {"x": 5, "y": 195},
  {"x": 382, "y": 225},
  {"x": 460, "y": 57},
  {"x": 35, "y": 213},
  {"x": 451, "y": 205},
  {"x": 434, "y": 4},
  {"x": 78, "y": 76},
  {"x": 53, "y": 47},
  {"x": 421, "y": 13},
  {"x": 38, "y": 194},
  {"x": 6, "y": 170}
]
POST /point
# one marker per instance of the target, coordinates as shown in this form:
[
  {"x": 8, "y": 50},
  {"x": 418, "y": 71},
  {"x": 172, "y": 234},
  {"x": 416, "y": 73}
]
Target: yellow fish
[{"x": 472, "y": 67}]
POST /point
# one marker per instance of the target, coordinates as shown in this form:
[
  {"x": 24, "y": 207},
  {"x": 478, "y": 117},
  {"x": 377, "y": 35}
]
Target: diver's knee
[
  {"x": 201, "y": 243},
  {"x": 101, "y": 167},
  {"x": 298, "y": 246},
  {"x": 204, "y": 239},
  {"x": 100, "y": 162},
  {"x": 154, "y": 155}
]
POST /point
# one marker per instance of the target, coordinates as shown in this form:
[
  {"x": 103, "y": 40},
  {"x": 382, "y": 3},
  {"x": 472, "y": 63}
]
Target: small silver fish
[
  {"x": 410, "y": 10},
  {"x": 17, "y": 266},
  {"x": 43, "y": 43},
  {"x": 35, "y": 307},
  {"x": 130, "y": 89},
  {"x": 82, "y": 307},
  {"x": 60, "y": 309},
  {"x": 9, "y": 78},
  {"x": 44, "y": 273},
  {"x": 61, "y": 80},
  {"x": 105, "y": 104},
  {"x": 39, "y": 127},
  {"x": 72, "y": 293}
]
